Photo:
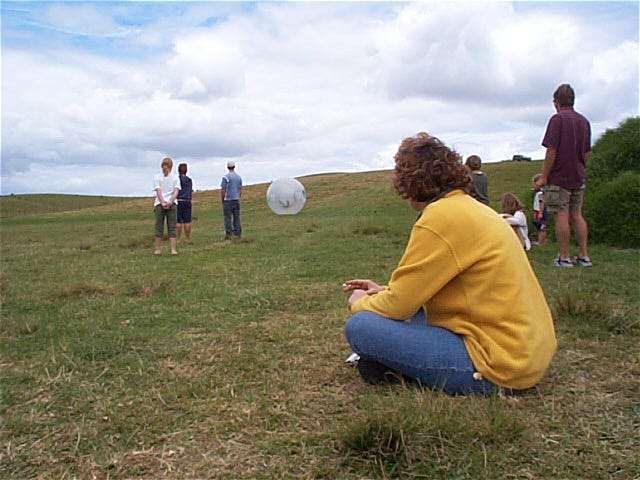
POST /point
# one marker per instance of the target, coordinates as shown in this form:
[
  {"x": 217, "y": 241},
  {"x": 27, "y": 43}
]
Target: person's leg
[
  {"x": 187, "y": 221},
  {"x": 579, "y": 223},
  {"x": 228, "y": 226},
  {"x": 237, "y": 228},
  {"x": 171, "y": 227},
  {"x": 556, "y": 201},
  {"x": 434, "y": 356},
  {"x": 159, "y": 227},
  {"x": 542, "y": 237},
  {"x": 179, "y": 224},
  {"x": 563, "y": 233},
  {"x": 582, "y": 232}
]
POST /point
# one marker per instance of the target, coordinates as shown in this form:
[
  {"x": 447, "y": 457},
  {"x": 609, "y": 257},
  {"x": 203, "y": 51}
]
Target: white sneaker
[
  {"x": 353, "y": 359},
  {"x": 583, "y": 261}
]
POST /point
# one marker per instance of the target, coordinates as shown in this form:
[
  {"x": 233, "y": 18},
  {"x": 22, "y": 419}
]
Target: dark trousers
[{"x": 231, "y": 212}]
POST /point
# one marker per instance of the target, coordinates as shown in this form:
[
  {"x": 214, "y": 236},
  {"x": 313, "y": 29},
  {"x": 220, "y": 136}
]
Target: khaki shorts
[
  {"x": 171, "y": 216},
  {"x": 558, "y": 199}
]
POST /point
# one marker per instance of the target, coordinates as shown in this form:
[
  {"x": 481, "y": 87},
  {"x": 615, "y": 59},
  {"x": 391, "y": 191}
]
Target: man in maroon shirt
[{"x": 568, "y": 143}]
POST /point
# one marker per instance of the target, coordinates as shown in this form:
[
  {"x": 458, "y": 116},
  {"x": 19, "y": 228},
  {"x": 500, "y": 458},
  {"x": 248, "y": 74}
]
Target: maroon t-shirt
[{"x": 569, "y": 133}]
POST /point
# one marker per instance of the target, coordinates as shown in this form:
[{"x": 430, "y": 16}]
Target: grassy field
[
  {"x": 227, "y": 361},
  {"x": 12, "y": 206}
]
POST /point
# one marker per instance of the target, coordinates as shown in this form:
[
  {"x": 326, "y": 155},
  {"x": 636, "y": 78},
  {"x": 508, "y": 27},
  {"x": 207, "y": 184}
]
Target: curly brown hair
[
  {"x": 510, "y": 204},
  {"x": 426, "y": 168}
]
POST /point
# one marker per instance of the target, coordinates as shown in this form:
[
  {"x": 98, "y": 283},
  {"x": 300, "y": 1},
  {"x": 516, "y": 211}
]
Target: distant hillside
[
  {"x": 35, "y": 204},
  {"x": 503, "y": 177}
]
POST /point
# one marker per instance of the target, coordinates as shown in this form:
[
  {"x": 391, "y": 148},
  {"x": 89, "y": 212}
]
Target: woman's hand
[
  {"x": 368, "y": 286},
  {"x": 355, "y": 296}
]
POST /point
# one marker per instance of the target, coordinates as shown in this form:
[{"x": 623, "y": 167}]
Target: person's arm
[
  {"x": 427, "y": 265},
  {"x": 360, "y": 288},
  {"x": 158, "y": 189},
  {"x": 551, "y": 142},
  {"x": 223, "y": 189},
  {"x": 517, "y": 220},
  {"x": 174, "y": 195},
  {"x": 369, "y": 286},
  {"x": 159, "y": 196},
  {"x": 549, "y": 160}
]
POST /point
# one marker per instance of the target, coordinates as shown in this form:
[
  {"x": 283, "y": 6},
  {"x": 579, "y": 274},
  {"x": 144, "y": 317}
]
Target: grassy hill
[
  {"x": 227, "y": 361},
  {"x": 35, "y": 204}
]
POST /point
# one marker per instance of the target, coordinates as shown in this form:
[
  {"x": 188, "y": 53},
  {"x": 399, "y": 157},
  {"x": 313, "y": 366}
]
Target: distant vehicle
[{"x": 521, "y": 158}]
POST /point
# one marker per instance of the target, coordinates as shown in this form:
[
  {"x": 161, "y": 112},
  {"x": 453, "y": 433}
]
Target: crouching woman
[{"x": 463, "y": 311}]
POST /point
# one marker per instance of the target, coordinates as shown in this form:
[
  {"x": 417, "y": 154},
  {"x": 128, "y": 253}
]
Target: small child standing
[
  {"x": 540, "y": 214},
  {"x": 513, "y": 213},
  {"x": 480, "y": 180}
]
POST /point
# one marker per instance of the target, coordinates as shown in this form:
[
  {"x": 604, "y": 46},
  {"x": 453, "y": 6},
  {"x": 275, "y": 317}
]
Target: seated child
[
  {"x": 540, "y": 213},
  {"x": 513, "y": 213}
]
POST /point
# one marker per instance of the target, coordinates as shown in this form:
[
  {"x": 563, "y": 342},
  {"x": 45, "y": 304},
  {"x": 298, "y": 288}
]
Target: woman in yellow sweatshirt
[{"x": 463, "y": 311}]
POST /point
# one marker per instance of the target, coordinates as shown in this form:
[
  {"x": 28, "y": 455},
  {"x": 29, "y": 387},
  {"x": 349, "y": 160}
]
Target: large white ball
[{"x": 286, "y": 196}]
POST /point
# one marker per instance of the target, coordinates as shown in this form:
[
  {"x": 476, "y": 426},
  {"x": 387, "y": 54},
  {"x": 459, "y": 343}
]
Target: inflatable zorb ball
[{"x": 286, "y": 196}]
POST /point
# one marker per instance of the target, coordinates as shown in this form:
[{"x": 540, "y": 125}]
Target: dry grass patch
[
  {"x": 270, "y": 392},
  {"x": 4, "y": 287},
  {"x": 147, "y": 289},
  {"x": 86, "y": 289},
  {"x": 86, "y": 245},
  {"x": 136, "y": 243}
]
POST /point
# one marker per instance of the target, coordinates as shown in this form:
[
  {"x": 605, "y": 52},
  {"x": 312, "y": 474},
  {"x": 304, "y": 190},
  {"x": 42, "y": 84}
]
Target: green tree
[
  {"x": 615, "y": 152},
  {"x": 613, "y": 204}
]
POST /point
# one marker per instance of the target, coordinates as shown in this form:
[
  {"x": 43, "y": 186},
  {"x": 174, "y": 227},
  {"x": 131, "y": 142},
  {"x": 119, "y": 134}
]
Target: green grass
[
  {"x": 35, "y": 204},
  {"x": 227, "y": 361}
]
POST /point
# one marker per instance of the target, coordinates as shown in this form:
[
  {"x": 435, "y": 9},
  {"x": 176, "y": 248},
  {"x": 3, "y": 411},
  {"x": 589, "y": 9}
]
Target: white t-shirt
[
  {"x": 166, "y": 185},
  {"x": 536, "y": 201},
  {"x": 519, "y": 220}
]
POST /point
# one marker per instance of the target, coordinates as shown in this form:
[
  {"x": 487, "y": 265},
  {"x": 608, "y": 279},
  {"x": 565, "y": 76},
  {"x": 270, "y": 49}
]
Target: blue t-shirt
[
  {"x": 186, "y": 188},
  {"x": 232, "y": 183}
]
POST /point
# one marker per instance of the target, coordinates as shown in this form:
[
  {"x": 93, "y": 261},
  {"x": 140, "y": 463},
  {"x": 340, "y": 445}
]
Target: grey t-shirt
[
  {"x": 232, "y": 183},
  {"x": 482, "y": 186}
]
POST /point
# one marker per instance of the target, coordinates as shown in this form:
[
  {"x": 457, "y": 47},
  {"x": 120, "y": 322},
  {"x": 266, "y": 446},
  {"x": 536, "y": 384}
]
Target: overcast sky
[{"x": 94, "y": 95}]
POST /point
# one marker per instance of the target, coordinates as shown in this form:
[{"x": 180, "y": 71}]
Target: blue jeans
[
  {"x": 231, "y": 213},
  {"x": 434, "y": 356}
]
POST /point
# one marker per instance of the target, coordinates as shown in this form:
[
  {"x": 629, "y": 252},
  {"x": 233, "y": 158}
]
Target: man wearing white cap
[{"x": 230, "y": 192}]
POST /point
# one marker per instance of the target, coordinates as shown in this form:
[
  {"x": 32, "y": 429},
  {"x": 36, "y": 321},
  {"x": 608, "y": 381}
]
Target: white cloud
[
  {"x": 297, "y": 88},
  {"x": 82, "y": 19}
]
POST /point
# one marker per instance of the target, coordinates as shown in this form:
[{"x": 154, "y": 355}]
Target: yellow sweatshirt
[{"x": 466, "y": 267}]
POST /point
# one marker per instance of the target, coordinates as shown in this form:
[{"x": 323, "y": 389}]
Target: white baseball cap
[{"x": 231, "y": 164}]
